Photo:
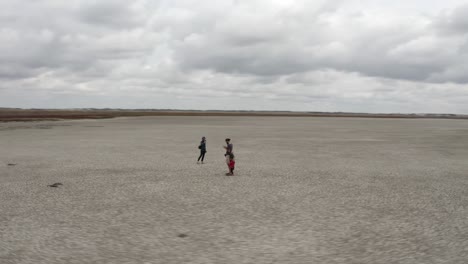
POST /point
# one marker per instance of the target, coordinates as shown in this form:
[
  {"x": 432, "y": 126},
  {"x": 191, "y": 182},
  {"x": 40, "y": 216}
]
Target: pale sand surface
[{"x": 307, "y": 190}]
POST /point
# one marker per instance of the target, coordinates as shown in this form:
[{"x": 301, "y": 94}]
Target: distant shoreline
[{"x": 18, "y": 115}]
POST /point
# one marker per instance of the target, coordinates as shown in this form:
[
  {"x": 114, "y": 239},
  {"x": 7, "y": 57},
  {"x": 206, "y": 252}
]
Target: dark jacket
[
  {"x": 203, "y": 146},
  {"x": 228, "y": 149}
]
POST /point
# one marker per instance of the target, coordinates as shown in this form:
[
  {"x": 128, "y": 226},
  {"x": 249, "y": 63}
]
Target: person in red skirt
[{"x": 231, "y": 165}]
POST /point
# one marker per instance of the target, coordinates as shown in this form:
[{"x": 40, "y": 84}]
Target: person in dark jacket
[{"x": 202, "y": 148}]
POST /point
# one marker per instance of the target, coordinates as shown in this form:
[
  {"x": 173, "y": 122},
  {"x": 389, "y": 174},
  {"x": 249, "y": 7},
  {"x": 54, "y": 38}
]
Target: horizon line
[{"x": 228, "y": 111}]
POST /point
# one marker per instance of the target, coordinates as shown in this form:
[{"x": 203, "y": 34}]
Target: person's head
[
  {"x": 228, "y": 140},
  {"x": 231, "y": 156},
  {"x": 203, "y": 138}
]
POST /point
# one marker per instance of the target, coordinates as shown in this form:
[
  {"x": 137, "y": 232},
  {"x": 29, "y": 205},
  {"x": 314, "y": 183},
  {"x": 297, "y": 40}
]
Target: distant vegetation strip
[{"x": 14, "y": 114}]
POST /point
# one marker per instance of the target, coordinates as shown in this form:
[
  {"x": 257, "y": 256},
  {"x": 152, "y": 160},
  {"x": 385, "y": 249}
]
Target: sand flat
[{"x": 307, "y": 190}]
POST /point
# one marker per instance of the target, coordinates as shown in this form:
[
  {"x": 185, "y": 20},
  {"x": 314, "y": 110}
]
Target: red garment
[{"x": 231, "y": 164}]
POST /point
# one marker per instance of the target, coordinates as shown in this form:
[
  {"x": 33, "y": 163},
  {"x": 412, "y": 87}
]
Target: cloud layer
[{"x": 361, "y": 56}]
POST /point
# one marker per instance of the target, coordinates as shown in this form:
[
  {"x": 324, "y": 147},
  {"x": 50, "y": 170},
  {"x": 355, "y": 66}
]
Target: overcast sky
[{"x": 402, "y": 56}]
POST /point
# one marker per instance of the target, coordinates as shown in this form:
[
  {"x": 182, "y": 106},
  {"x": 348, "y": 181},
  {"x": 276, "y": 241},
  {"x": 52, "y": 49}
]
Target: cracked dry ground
[{"x": 307, "y": 190}]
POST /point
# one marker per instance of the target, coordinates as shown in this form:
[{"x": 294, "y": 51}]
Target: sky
[{"x": 375, "y": 56}]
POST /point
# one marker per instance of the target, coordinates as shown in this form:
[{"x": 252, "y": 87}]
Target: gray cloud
[
  {"x": 116, "y": 14},
  {"x": 454, "y": 21},
  {"x": 301, "y": 55},
  {"x": 407, "y": 49}
]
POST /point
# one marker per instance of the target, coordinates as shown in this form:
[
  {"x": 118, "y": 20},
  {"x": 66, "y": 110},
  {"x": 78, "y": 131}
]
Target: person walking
[
  {"x": 228, "y": 149},
  {"x": 202, "y": 148}
]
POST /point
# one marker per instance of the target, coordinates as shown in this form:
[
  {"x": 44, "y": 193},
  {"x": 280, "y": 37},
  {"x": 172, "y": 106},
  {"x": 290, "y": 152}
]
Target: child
[{"x": 231, "y": 165}]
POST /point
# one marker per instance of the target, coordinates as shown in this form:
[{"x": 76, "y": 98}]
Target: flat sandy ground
[{"x": 307, "y": 190}]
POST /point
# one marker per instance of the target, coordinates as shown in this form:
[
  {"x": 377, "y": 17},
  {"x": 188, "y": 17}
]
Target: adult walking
[
  {"x": 228, "y": 149},
  {"x": 202, "y": 148}
]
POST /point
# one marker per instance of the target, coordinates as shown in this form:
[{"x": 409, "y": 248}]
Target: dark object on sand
[
  {"x": 55, "y": 185},
  {"x": 11, "y": 164},
  {"x": 182, "y": 235}
]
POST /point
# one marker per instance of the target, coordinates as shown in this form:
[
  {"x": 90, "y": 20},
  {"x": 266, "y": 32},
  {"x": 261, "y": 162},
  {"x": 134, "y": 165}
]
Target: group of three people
[{"x": 229, "y": 155}]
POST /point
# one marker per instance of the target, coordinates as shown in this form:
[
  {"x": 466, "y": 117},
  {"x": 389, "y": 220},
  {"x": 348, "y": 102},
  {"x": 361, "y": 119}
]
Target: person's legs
[
  {"x": 202, "y": 156},
  {"x": 199, "y": 157}
]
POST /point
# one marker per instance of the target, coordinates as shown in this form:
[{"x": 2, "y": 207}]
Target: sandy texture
[{"x": 307, "y": 190}]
